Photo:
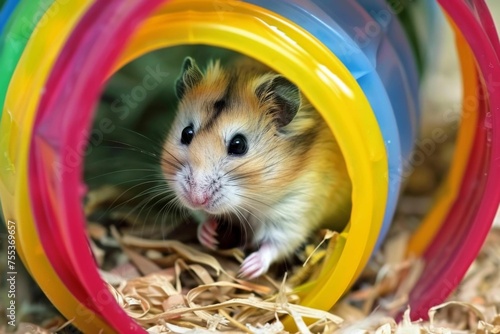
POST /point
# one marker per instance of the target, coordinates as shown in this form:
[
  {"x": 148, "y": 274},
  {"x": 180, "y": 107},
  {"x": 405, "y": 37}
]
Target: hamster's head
[{"x": 230, "y": 148}]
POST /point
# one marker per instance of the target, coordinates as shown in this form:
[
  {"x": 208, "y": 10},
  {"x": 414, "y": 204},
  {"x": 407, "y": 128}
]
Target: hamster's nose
[{"x": 199, "y": 199}]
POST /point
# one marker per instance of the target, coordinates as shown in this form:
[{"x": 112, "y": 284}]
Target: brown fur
[{"x": 293, "y": 179}]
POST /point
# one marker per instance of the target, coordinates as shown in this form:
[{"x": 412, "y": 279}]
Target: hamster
[{"x": 246, "y": 144}]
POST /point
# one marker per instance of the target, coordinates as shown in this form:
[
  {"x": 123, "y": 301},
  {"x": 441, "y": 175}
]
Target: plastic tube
[
  {"x": 462, "y": 234},
  {"x": 340, "y": 88},
  {"x": 43, "y": 135}
]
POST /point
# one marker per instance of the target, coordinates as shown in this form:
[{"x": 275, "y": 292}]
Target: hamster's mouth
[{"x": 209, "y": 206}]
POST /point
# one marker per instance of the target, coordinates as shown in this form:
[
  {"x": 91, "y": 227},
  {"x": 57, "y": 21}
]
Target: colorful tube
[
  {"x": 469, "y": 220},
  {"x": 43, "y": 136},
  {"x": 356, "y": 249}
]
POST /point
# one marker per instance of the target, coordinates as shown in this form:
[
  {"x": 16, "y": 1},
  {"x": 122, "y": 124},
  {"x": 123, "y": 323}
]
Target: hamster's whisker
[
  {"x": 146, "y": 218},
  {"x": 251, "y": 213},
  {"x": 173, "y": 156},
  {"x": 175, "y": 205},
  {"x": 161, "y": 214},
  {"x": 243, "y": 176},
  {"x": 253, "y": 199},
  {"x": 155, "y": 148},
  {"x": 266, "y": 178},
  {"x": 172, "y": 164},
  {"x": 130, "y": 188},
  {"x": 118, "y": 162},
  {"x": 154, "y": 142},
  {"x": 123, "y": 171},
  {"x": 132, "y": 210},
  {"x": 163, "y": 177},
  {"x": 253, "y": 207},
  {"x": 235, "y": 168},
  {"x": 130, "y": 147},
  {"x": 161, "y": 184},
  {"x": 181, "y": 208},
  {"x": 253, "y": 172},
  {"x": 168, "y": 179},
  {"x": 242, "y": 218},
  {"x": 145, "y": 222},
  {"x": 245, "y": 225},
  {"x": 155, "y": 192},
  {"x": 263, "y": 214},
  {"x": 150, "y": 196},
  {"x": 144, "y": 204},
  {"x": 157, "y": 155},
  {"x": 142, "y": 193},
  {"x": 148, "y": 179},
  {"x": 133, "y": 180}
]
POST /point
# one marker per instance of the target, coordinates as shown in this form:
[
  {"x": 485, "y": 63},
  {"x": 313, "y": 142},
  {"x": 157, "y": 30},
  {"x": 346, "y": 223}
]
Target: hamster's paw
[
  {"x": 207, "y": 233},
  {"x": 255, "y": 265}
]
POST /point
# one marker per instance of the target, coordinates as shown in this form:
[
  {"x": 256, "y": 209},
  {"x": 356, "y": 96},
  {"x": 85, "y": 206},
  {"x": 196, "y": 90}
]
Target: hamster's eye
[
  {"x": 238, "y": 145},
  {"x": 187, "y": 135}
]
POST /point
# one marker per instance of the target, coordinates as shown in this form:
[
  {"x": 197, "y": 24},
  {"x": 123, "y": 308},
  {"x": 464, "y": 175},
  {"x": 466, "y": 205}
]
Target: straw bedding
[{"x": 175, "y": 286}]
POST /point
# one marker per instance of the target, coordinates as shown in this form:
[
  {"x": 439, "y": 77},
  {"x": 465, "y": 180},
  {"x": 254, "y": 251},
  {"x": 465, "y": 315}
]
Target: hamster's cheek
[
  {"x": 179, "y": 184},
  {"x": 230, "y": 197}
]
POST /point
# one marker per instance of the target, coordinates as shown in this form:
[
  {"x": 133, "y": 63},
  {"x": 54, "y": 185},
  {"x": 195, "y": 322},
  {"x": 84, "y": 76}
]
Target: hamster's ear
[
  {"x": 284, "y": 95},
  {"x": 189, "y": 77}
]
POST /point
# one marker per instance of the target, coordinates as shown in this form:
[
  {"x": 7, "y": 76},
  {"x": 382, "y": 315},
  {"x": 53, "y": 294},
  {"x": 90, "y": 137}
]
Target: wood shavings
[
  {"x": 26, "y": 328},
  {"x": 160, "y": 296},
  {"x": 187, "y": 253},
  {"x": 407, "y": 326},
  {"x": 168, "y": 286},
  {"x": 274, "y": 328},
  {"x": 143, "y": 264}
]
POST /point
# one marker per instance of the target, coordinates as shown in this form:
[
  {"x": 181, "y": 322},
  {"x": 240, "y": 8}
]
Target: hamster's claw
[
  {"x": 207, "y": 234},
  {"x": 255, "y": 265}
]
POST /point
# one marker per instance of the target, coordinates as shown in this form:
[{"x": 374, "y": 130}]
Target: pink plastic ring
[
  {"x": 462, "y": 235},
  {"x": 61, "y": 126}
]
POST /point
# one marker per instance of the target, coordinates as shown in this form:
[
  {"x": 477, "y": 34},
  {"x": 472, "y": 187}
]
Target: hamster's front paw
[
  {"x": 256, "y": 264},
  {"x": 207, "y": 233}
]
